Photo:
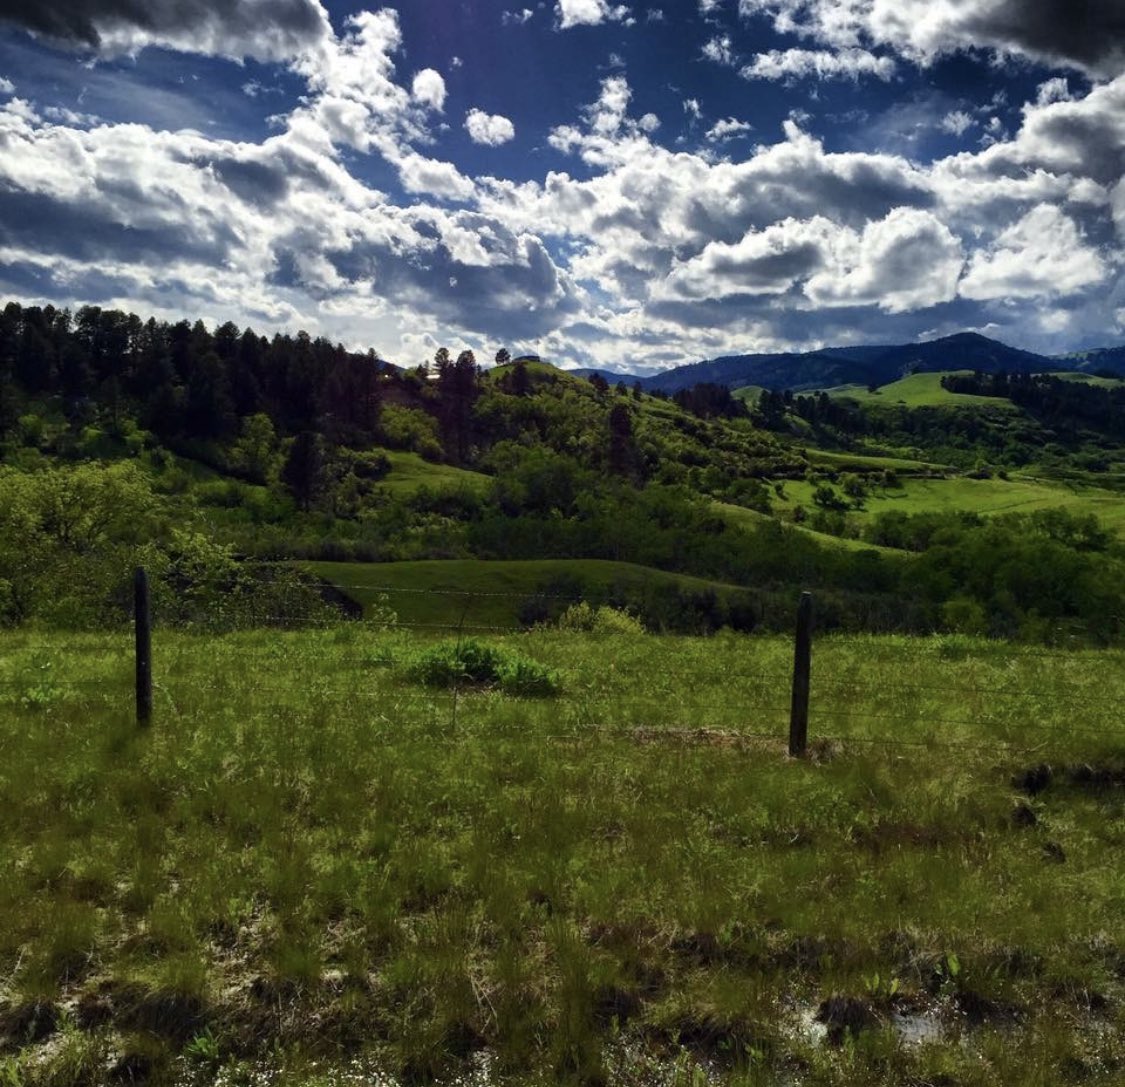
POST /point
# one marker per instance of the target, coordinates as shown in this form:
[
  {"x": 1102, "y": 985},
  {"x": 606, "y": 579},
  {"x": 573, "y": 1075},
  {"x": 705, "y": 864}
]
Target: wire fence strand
[{"x": 730, "y": 691}]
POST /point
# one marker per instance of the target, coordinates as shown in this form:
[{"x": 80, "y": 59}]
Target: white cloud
[
  {"x": 907, "y": 261},
  {"x": 802, "y": 63},
  {"x": 923, "y": 30},
  {"x": 1054, "y": 90},
  {"x": 419, "y": 174},
  {"x": 429, "y": 89},
  {"x": 589, "y": 13},
  {"x": 766, "y": 262},
  {"x": 692, "y": 108},
  {"x": 516, "y": 18},
  {"x": 957, "y": 122},
  {"x": 1041, "y": 256},
  {"x": 728, "y": 129},
  {"x": 719, "y": 49},
  {"x": 488, "y": 129},
  {"x": 7, "y": 86}
]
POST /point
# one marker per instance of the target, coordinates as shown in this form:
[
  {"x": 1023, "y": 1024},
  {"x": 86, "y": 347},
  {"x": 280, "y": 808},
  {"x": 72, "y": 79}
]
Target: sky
[{"x": 624, "y": 185}]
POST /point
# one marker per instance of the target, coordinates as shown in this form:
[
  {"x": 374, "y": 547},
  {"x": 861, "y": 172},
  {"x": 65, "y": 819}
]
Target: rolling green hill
[
  {"x": 409, "y": 472},
  {"x": 918, "y": 391},
  {"x": 474, "y": 593}
]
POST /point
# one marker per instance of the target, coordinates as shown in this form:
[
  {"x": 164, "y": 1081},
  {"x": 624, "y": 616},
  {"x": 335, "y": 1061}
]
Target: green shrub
[
  {"x": 582, "y": 618},
  {"x": 472, "y": 662}
]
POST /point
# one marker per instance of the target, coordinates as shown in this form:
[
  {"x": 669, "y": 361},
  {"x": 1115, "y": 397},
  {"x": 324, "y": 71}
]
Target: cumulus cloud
[
  {"x": 766, "y": 262},
  {"x": 7, "y": 87},
  {"x": 419, "y": 174},
  {"x": 589, "y": 13},
  {"x": 823, "y": 64},
  {"x": 1086, "y": 35},
  {"x": 670, "y": 252},
  {"x": 907, "y": 261},
  {"x": 1041, "y": 256},
  {"x": 491, "y": 130},
  {"x": 429, "y": 88},
  {"x": 268, "y": 30}
]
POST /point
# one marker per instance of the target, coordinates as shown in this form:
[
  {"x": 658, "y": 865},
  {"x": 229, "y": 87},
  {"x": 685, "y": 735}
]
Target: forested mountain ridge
[{"x": 875, "y": 365}]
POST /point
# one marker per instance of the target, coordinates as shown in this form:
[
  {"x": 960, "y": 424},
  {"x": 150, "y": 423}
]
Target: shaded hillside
[{"x": 1101, "y": 360}]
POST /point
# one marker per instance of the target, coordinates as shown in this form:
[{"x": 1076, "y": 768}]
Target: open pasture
[
  {"x": 920, "y": 391},
  {"x": 1020, "y": 494},
  {"x": 478, "y": 594},
  {"x": 313, "y": 870}
]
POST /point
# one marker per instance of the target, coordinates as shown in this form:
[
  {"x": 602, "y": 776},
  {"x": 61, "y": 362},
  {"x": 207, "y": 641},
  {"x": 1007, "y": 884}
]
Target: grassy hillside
[
  {"x": 858, "y": 462},
  {"x": 312, "y": 871},
  {"x": 740, "y": 516},
  {"x": 984, "y": 496},
  {"x": 919, "y": 391},
  {"x": 409, "y": 472},
  {"x": 493, "y": 594}
]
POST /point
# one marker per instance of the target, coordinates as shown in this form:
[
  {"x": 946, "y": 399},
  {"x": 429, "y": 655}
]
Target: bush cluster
[{"x": 471, "y": 662}]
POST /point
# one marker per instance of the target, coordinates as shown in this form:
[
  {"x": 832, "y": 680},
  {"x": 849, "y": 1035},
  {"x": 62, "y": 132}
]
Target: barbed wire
[{"x": 43, "y": 686}]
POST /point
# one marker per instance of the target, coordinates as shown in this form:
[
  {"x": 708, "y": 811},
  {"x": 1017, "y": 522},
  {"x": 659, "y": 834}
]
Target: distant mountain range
[{"x": 871, "y": 365}]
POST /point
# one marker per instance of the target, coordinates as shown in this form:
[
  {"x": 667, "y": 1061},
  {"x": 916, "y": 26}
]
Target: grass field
[
  {"x": 984, "y": 496},
  {"x": 476, "y": 593},
  {"x": 312, "y": 871},
  {"x": 409, "y": 472},
  {"x": 858, "y": 462},
  {"x": 739, "y": 515},
  {"x": 920, "y": 391}
]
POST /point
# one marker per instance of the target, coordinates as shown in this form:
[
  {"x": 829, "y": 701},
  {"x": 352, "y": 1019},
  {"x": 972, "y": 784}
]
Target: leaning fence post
[
  {"x": 142, "y": 627},
  {"x": 802, "y": 653}
]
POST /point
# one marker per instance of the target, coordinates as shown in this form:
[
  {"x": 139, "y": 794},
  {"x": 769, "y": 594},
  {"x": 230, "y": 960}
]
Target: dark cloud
[
  {"x": 40, "y": 223},
  {"x": 1088, "y": 33},
  {"x": 266, "y": 28},
  {"x": 262, "y": 184}
]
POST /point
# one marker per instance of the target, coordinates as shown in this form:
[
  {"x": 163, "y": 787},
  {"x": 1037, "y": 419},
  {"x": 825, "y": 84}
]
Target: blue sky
[{"x": 613, "y": 184}]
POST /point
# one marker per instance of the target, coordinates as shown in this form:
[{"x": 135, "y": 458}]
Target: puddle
[
  {"x": 912, "y": 1028},
  {"x": 918, "y": 1028}
]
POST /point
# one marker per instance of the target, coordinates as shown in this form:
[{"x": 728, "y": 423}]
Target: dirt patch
[
  {"x": 719, "y": 1039},
  {"x": 844, "y": 1015},
  {"x": 1037, "y": 779},
  {"x": 27, "y": 1024},
  {"x": 978, "y": 1010},
  {"x": 1034, "y": 780},
  {"x": 173, "y": 1016}
]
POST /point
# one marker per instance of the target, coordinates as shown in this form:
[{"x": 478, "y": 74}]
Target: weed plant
[{"x": 311, "y": 870}]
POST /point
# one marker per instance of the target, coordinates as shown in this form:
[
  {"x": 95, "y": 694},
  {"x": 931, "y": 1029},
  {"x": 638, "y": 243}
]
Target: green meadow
[
  {"x": 919, "y": 391},
  {"x": 312, "y": 869},
  {"x": 477, "y": 593},
  {"x": 409, "y": 472},
  {"x": 1018, "y": 494}
]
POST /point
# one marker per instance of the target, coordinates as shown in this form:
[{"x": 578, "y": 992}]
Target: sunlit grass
[{"x": 310, "y": 860}]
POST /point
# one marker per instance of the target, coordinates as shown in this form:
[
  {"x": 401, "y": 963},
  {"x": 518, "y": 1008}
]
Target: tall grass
[{"x": 312, "y": 860}]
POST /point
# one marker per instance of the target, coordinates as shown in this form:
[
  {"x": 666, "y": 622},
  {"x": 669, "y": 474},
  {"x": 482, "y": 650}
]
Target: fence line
[{"x": 803, "y": 709}]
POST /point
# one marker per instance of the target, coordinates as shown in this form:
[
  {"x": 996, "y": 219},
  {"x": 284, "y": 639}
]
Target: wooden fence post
[
  {"x": 802, "y": 654},
  {"x": 142, "y": 627}
]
